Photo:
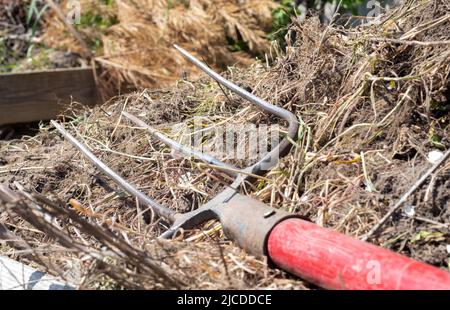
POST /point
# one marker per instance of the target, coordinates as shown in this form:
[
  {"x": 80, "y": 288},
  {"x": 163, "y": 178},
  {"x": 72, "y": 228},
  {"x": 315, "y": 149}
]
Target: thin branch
[{"x": 413, "y": 42}]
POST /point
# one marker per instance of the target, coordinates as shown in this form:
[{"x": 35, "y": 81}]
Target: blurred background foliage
[{"x": 24, "y": 22}]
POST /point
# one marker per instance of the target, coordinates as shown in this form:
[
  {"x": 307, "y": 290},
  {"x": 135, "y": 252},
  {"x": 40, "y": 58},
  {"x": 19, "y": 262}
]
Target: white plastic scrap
[
  {"x": 434, "y": 156},
  {"x": 17, "y": 276},
  {"x": 409, "y": 210}
]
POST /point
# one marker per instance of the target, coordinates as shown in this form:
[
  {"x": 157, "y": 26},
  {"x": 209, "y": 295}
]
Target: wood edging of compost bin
[{"x": 42, "y": 95}]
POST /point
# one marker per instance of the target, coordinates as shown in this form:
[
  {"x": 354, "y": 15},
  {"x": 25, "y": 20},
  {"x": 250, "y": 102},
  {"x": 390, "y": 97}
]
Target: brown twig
[{"x": 22, "y": 207}]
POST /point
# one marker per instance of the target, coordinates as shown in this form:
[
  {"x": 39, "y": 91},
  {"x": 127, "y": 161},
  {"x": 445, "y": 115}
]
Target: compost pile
[{"x": 372, "y": 103}]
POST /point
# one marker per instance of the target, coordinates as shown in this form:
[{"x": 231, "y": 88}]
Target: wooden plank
[
  {"x": 17, "y": 276},
  {"x": 42, "y": 95}
]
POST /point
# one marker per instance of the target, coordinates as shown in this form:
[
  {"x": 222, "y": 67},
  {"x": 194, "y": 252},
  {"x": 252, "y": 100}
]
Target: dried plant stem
[{"x": 413, "y": 42}]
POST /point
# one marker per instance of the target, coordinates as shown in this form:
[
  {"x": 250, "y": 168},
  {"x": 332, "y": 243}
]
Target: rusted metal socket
[{"x": 249, "y": 222}]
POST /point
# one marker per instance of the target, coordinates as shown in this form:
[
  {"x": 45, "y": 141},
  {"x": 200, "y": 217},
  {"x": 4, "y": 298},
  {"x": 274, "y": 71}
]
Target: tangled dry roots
[{"x": 372, "y": 102}]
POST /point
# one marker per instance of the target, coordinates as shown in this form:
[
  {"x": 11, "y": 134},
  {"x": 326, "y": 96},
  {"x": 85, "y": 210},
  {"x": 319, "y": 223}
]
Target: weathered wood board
[{"x": 42, "y": 95}]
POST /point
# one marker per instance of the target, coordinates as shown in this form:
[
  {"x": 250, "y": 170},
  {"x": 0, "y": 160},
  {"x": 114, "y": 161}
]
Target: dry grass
[
  {"x": 137, "y": 51},
  {"x": 371, "y": 103}
]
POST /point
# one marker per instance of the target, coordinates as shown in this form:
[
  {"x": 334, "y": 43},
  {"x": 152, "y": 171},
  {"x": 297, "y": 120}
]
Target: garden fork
[{"x": 322, "y": 256}]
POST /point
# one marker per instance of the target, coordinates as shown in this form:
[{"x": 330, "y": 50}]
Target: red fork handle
[{"x": 335, "y": 261}]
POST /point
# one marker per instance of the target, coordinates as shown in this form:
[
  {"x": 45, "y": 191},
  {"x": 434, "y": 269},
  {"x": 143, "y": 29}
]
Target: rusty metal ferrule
[{"x": 249, "y": 222}]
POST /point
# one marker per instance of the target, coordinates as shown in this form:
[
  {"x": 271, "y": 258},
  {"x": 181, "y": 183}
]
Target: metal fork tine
[
  {"x": 283, "y": 147},
  {"x": 229, "y": 169},
  {"x": 131, "y": 189}
]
